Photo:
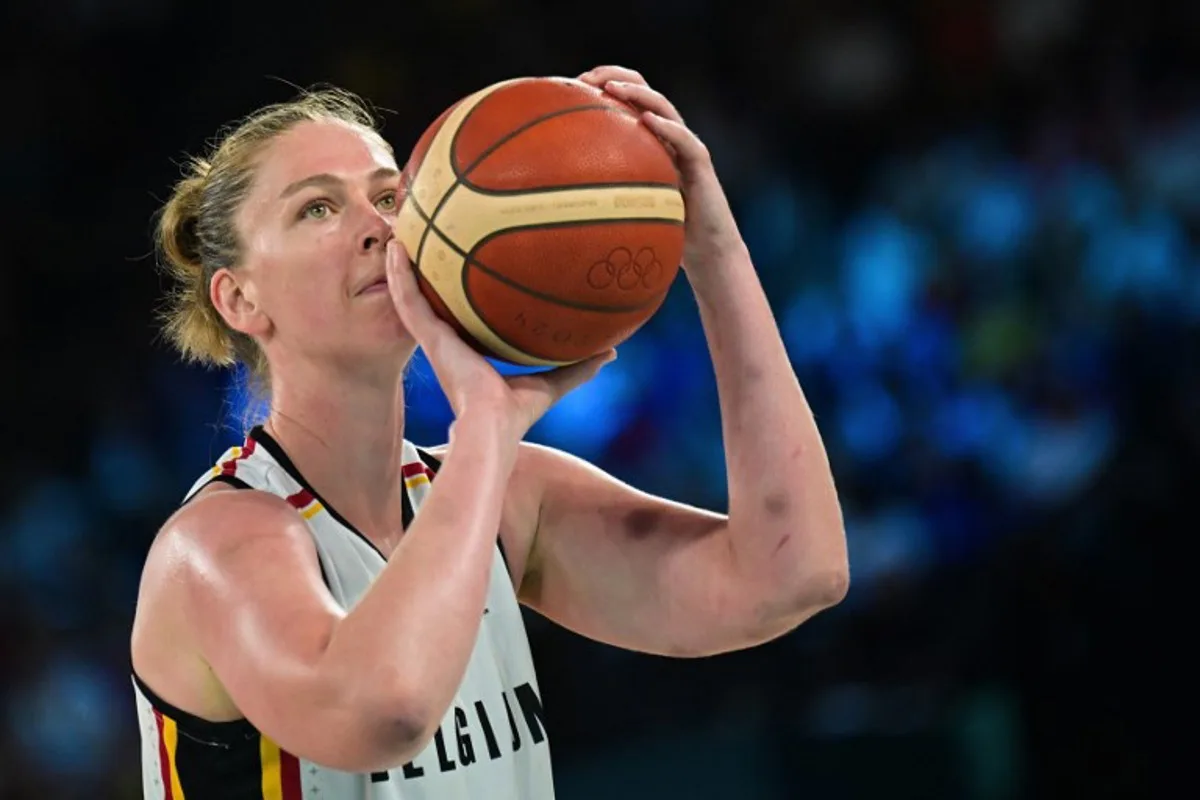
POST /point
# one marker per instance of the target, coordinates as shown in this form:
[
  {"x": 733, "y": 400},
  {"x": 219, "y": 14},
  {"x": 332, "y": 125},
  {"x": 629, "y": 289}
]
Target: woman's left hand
[{"x": 712, "y": 235}]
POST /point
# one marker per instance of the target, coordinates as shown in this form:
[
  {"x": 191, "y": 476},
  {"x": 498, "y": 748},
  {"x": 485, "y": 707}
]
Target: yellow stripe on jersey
[
  {"x": 416, "y": 480},
  {"x": 311, "y": 510},
  {"x": 272, "y": 774},
  {"x": 170, "y": 734},
  {"x": 231, "y": 455}
]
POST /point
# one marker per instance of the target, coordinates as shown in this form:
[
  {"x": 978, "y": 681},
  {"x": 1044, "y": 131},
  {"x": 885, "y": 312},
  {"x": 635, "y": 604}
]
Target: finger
[
  {"x": 688, "y": 146},
  {"x": 564, "y": 379},
  {"x": 412, "y": 307},
  {"x": 557, "y": 383},
  {"x": 601, "y": 75},
  {"x": 644, "y": 98}
]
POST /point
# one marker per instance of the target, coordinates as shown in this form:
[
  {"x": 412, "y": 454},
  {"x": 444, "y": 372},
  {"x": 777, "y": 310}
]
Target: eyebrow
[{"x": 325, "y": 179}]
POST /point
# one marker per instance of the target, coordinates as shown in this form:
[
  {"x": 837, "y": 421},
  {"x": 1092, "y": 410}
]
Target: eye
[
  {"x": 317, "y": 209},
  {"x": 387, "y": 203}
]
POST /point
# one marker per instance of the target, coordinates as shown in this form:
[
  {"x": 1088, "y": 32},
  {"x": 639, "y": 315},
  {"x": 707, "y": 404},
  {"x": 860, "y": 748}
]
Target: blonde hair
[{"x": 196, "y": 233}]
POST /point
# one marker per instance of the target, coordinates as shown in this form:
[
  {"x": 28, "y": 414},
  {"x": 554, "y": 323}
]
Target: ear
[{"x": 235, "y": 299}]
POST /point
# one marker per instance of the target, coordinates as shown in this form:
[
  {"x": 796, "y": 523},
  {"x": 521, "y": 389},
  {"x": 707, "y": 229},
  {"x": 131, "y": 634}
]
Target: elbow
[
  {"x": 402, "y": 732},
  {"x": 373, "y": 730},
  {"x": 387, "y": 736},
  {"x": 824, "y": 589},
  {"x": 816, "y": 591},
  {"x": 402, "y": 724}
]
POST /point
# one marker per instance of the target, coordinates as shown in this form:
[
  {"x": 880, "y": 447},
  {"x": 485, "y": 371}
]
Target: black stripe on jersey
[
  {"x": 214, "y": 760},
  {"x": 433, "y": 462},
  {"x": 230, "y": 733},
  {"x": 271, "y": 446},
  {"x": 406, "y": 508},
  {"x": 229, "y": 479}
]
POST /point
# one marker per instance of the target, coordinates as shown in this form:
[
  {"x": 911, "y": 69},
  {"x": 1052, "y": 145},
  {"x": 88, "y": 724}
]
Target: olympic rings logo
[{"x": 625, "y": 270}]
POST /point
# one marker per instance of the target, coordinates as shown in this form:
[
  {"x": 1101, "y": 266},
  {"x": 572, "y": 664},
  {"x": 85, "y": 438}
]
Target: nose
[{"x": 377, "y": 233}]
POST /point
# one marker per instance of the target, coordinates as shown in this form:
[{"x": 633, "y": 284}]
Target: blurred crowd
[{"x": 979, "y": 227}]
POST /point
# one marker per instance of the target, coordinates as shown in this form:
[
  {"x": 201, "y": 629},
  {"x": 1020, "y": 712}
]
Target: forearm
[
  {"x": 414, "y": 630},
  {"x": 785, "y": 522}
]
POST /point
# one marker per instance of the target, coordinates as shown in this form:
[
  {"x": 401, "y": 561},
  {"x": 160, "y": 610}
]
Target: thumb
[
  {"x": 544, "y": 389},
  {"x": 563, "y": 380}
]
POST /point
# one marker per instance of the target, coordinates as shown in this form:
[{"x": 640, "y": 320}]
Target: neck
[{"x": 345, "y": 434}]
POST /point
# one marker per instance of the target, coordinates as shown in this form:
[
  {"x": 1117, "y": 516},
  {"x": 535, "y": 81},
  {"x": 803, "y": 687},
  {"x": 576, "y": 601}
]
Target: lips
[{"x": 376, "y": 285}]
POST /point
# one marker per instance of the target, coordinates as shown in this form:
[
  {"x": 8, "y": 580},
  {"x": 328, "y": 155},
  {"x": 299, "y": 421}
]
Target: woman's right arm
[
  {"x": 365, "y": 690},
  {"x": 358, "y": 691}
]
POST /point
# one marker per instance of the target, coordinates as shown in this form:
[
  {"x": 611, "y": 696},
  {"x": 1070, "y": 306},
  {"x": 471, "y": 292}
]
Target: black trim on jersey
[
  {"x": 264, "y": 439},
  {"x": 406, "y": 508},
  {"x": 259, "y": 435},
  {"x": 214, "y": 760},
  {"x": 433, "y": 462},
  {"x": 230, "y": 479},
  {"x": 231, "y": 732}
]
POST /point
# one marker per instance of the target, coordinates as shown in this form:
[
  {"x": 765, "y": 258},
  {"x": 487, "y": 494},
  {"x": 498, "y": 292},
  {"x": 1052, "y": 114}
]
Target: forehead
[{"x": 311, "y": 148}]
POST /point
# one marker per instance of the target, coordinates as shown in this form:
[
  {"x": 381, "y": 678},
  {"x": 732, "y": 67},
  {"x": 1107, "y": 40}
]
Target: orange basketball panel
[
  {"x": 588, "y": 265},
  {"x": 439, "y": 307},
  {"x": 595, "y": 146},
  {"x": 509, "y": 108},
  {"x": 547, "y": 330}
]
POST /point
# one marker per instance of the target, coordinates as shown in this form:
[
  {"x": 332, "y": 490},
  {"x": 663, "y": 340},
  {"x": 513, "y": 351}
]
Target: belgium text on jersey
[{"x": 464, "y": 753}]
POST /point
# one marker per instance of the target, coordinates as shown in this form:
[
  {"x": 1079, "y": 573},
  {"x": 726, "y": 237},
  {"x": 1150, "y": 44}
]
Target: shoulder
[
  {"x": 222, "y": 523},
  {"x": 210, "y": 555}
]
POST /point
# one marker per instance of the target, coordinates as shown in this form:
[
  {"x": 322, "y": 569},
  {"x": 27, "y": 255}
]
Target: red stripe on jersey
[
  {"x": 289, "y": 775},
  {"x": 300, "y": 499},
  {"x": 416, "y": 468},
  {"x": 230, "y": 466},
  {"x": 164, "y": 759}
]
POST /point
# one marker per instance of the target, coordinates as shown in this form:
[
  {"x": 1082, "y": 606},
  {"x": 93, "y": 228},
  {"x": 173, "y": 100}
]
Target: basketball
[{"x": 543, "y": 219}]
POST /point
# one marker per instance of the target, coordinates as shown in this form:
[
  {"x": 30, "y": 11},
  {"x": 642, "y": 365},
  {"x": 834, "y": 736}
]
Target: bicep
[
  {"x": 630, "y": 569},
  {"x": 262, "y": 619}
]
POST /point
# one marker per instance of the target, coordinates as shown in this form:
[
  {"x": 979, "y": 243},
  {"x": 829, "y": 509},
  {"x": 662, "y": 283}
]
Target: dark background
[{"x": 978, "y": 222}]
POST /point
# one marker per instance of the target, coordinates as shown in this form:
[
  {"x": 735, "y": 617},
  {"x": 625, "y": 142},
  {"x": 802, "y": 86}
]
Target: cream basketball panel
[{"x": 436, "y": 175}]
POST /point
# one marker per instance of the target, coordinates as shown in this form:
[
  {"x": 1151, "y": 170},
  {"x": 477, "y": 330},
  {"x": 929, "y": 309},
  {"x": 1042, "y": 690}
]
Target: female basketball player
[{"x": 324, "y": 618}]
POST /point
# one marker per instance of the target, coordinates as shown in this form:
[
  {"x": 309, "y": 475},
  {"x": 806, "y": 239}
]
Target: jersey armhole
[
  {"x": 232, "y": 480},
  {"x": 231, "y": 732}
]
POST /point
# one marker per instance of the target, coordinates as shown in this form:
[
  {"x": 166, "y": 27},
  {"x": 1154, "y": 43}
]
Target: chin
[{"x": 394, "y": 339}]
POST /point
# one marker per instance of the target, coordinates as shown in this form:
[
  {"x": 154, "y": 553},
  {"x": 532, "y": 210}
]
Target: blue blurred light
[
  {"x": 811, "y": 325},
  {"x": 996, "y": 216},
  {"x": 64, "y": 723},
  {"x": 243, "y": 408},
  {"x": 870, "y": 422},
  {"x": 885, "y": 262},
  {"x": 588, "y": 418}
]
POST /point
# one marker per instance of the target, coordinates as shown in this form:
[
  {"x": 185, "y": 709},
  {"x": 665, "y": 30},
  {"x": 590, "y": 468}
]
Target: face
[{"x": 311, "y": 284}]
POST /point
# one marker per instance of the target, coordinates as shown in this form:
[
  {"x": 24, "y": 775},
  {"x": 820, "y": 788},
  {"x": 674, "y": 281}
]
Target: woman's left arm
[{"x": 645, "y": 573}]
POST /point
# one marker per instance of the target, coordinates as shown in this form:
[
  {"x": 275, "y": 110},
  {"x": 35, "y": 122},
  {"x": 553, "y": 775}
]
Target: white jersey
[{"x": 491, "y": 744}]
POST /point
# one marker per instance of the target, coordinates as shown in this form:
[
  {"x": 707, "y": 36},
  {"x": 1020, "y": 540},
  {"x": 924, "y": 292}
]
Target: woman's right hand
[{"x": 468, "y": 380}]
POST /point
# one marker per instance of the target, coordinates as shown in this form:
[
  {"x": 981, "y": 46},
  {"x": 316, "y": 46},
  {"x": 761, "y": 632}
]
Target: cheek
[{"x": 310, "y": 290}]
